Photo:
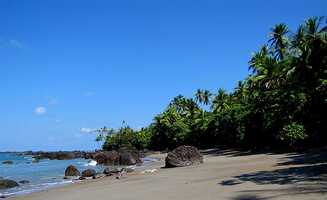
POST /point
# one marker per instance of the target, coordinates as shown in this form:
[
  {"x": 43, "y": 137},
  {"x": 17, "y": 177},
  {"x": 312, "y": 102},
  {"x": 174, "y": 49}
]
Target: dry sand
[{"x": 225, "y": 174}]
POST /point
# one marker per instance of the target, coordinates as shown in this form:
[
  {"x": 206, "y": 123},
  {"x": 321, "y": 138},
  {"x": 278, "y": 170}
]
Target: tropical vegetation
[{"x": 281, "y": 104}]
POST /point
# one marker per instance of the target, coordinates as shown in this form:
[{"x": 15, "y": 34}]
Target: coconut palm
[
  {"x": 279, "y": 41},
  {"x": 220, "y": 101}
]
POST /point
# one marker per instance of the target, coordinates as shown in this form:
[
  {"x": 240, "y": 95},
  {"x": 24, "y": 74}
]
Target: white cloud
[
  {"x": 87, "y": 130},
  {"x": 40, "y": 110},
  {"x": 16, "y": 44}
]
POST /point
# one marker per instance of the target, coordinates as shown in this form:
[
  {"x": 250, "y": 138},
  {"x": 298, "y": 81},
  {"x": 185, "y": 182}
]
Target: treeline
[{"x": 281, "y": 104}]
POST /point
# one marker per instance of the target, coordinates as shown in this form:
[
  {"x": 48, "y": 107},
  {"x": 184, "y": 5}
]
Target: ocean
[{"x": 41, "y": 175}]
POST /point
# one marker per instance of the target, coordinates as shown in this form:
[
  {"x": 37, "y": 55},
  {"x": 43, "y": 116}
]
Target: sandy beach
[{"x": 225, "y": 174}]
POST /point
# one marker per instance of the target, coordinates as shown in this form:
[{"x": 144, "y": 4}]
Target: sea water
[
  {"x": 45, "y": 173},
  {"x": 41, "y": 175}
]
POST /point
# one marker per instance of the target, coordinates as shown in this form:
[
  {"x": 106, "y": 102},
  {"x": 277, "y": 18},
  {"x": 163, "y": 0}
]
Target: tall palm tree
[{"x": 279, "y": 41}]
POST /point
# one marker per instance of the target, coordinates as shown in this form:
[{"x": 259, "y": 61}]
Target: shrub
[{"x": 292, "y": 134}]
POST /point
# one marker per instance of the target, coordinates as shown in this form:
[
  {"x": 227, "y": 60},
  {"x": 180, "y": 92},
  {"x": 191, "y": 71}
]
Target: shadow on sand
[
  {"x": 306, "y": 173},
  {"x": 225, "y": 151}
]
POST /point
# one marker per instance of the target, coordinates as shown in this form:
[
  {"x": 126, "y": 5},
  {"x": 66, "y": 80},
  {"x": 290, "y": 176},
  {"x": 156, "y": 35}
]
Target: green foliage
[{"x": 292, "y": 134}]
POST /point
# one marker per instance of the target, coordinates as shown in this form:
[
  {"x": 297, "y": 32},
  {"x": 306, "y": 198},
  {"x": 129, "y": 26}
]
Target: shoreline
[
  {"x": 225, "y": 175},
  {"x": 151, "y": 161}
]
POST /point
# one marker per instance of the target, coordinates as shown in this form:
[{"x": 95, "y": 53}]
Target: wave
[{"x": 91, "y": 163}]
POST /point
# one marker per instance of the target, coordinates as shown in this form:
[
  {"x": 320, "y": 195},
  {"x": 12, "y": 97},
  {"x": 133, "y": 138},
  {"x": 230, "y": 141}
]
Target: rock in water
[
  {"x": 8, "y": 162},
  {"x": 6, "y": 183},
  {"x": 184, "y": 156},
  {"x": 71, "y": 170},
  {"x": 24, "y": 181},
  {"x": 88, "y": 173}
]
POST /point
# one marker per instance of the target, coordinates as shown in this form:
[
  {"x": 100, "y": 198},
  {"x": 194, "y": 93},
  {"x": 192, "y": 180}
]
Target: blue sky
[{"x": 67, "y": 65}]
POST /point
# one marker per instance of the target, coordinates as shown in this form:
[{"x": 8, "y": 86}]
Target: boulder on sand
[
  {"x": 107, "y": 157},
  {"x": 120, "y": 157},
  {"x": 183, "y": 156},
  {"x": 88, "y": 173},
  {"x": 129, "y": 156},
  {"x": 71, "y": 170},
  {"x": 126, "y": 158},
  {"x": 7, "y": 183}
]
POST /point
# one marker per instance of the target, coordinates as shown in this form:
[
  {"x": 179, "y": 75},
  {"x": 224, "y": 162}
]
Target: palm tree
[
  {"x": 199, "y": 96},
  {"x": 278, "y": 41},
  {"x": 220, "y": 101},
  {"x": 203, "y": 96},
  {"x": 206, "y": 97}
]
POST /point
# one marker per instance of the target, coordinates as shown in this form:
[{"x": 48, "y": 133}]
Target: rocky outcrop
[
  {"x": 127, "y": 158},
  {"x": 60, "y": 155},
  {"x": 107, "y": 157},
  {"x": 71, "y": 170},
  {"x": 8, "y": 162},
  {"x": 88, "y": 173},
  {"x": 7, "y": 183},
  {"x": 184, "y": 156},
  {"x": 121, "y": 157}
]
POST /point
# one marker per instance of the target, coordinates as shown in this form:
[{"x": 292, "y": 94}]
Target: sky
[{"x": 70, "y": 66}]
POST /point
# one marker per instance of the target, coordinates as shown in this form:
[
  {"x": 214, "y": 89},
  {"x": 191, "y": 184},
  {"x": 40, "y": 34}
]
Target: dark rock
[
  {"x": 184, "y": 156},
  {"x": 110, "y": 171},
  {"x": 24, "y": 181},
  {"x": 6, "y": 183},
  {"x": 8, "y": 162},
  {"x": 98, "y": 175},
  {"x": 107, "y": 157},
  {"x": 127, "y": 158},
  {"x": 2, "y": 196},
  {"x": 71, "y": 170},
  {"x": 81, "y": 178},
  {"x": 121, "y": 157},
  {"x": 130, "y": 156},
  {"x": 89, "y": 155},
  {"x": 60, "y": 155},
  {"x": 88, "y": 173}
]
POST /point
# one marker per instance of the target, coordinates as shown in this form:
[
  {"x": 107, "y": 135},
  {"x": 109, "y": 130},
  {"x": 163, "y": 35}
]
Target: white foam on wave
[{"x": 91, "y": 163}]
